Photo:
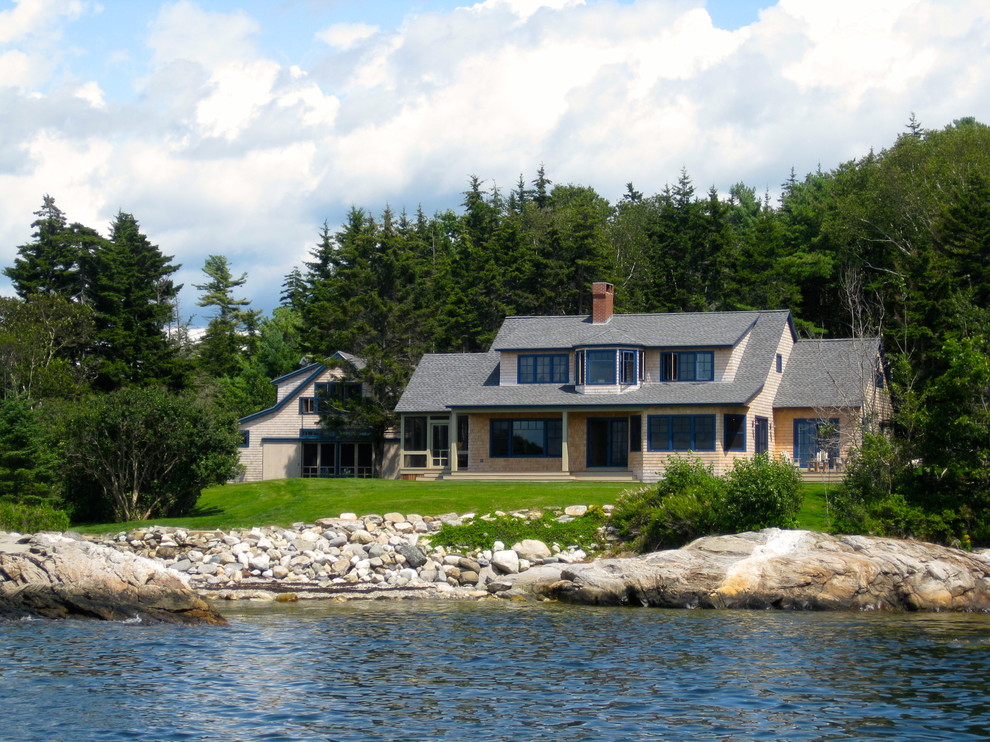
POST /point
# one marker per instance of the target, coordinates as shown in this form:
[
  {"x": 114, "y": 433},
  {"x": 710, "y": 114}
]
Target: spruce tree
[
  {"x": 133, "y": 298},
  {"x": 50, "y": 263}
]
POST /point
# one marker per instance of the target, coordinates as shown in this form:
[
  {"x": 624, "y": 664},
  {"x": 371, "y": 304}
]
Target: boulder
[
  {"x": 773, "y": 568},
  {"x": 506, "y": 561},
  {"x": 531, "y": 550},
  {"x": 54, "y": 576}
]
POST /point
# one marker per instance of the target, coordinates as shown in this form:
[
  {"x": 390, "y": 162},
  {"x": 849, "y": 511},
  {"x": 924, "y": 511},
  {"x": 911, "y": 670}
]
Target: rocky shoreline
[
  {"x": 391, "y": 557},
  {"x": 56, "y": 576},
  {"x": 348, "y": 557}
]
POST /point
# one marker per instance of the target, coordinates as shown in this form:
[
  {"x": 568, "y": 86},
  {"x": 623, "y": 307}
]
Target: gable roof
[
  {"x": 829, "y": 373},
  {"x": 471, "y": 380},
  {"x": 439, "y": 377},
  {"x": 682, "y": 330},
  {"x": 306, "y": 375}
]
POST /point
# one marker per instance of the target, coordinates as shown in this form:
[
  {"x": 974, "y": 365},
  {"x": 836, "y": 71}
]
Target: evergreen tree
[
  {"x": 231, "y": 324},
  {"x": 29, "y": 472},
  {"x": 133, "y": 298},
  {"x": 50, "y": 263}
]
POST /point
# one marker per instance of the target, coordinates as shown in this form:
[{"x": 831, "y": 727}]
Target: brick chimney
[{"x": 602, "y": 298}]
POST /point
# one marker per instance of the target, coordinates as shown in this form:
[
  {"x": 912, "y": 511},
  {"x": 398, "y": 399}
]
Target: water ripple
[{"x": 457, "y": 671}]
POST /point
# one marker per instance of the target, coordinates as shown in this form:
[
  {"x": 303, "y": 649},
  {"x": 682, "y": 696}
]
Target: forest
[{"x": 894, "y": 244}]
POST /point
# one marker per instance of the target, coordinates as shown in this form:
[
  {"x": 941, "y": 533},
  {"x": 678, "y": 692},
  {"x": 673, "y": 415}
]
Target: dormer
[{"x": 608, "y": 370}]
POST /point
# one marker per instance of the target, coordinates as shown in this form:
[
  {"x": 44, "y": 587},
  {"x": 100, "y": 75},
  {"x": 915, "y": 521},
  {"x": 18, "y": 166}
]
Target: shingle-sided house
[
  {"x": 287, "y": 439},
  {"x": 615, "y": 395}
]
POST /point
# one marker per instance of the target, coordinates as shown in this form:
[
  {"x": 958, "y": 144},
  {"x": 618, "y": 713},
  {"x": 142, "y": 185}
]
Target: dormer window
[
  {"x": 547, "y": 368},
  {"x": 601, "y": 366},
  {"x": 687, "y": 365},
  {"x": 609, "y": 366}
]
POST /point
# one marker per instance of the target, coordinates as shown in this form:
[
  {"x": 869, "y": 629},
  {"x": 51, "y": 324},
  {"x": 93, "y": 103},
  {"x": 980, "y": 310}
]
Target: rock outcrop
[
  {"x": 54, "y": 576},
  {"x": 798, "y": 570}
]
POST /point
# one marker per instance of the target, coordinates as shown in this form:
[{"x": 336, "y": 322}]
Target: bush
[
  {"x": 31, "y": 518},
  {"x": 760, "y": 493},
  {"x": 679, "y": 508},
  {"x": 136, "y": 454},
  {"x": 690, "y": 501}
]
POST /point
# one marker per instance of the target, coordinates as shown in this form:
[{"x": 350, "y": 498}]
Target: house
[
  {"x": 288, "y": 440},
  {"x": 616, "y": 395}
]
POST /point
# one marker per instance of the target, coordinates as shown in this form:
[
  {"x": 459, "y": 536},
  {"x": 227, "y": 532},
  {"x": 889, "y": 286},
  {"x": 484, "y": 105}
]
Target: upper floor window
[
  {"x": 338, "y": 393},
  {"x": 609, "y": 366},
  {"x": 601, "y": 367},
  {"x": 330, "y": 395},
  {"x": 632, "y": 369},
  {"x": 543, "y": 369},
  {"x": 687, "y": 365},
  {"x": 780, "y": 363}
]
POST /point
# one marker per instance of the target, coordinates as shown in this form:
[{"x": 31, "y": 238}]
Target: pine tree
[{"x": 221, "y": 348}]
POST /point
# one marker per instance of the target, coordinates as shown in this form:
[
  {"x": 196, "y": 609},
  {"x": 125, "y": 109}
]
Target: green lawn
[
  {"x": 812, "y": 515},
  {"x": 283, "y": 501}
]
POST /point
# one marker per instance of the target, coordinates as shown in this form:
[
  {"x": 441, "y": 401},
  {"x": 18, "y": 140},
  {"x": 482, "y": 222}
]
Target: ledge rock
[
  {"x": 54, "y": 576},
  {"x": 797, "y": 570}
]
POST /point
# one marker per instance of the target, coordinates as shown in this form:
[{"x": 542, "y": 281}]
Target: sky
[{"x": 238, "y": 128}]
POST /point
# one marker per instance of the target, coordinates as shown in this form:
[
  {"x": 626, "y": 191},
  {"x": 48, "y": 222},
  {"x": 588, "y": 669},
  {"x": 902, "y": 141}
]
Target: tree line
[{"x": 893, "y": 244}]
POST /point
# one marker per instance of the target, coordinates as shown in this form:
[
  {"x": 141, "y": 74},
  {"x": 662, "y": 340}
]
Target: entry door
[
  {"x": 762, "y": 435},
  {"x": 608, "y": 442},
  {"x": 439, "y": 444}
]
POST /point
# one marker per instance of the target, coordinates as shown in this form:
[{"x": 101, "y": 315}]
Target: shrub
[
  {"x": 690, "y": 501},
  {"x": 679, "y": 508},
  {"x": 31, "y": 518},
  {"x": 760, "y": 493},
  {"x": 136, "y": 453}
]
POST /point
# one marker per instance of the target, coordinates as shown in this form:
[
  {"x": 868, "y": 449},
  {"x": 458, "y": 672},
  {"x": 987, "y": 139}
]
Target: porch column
[
  {"x": 565, "y": 464},
  {"x": 452, "y": 442}
]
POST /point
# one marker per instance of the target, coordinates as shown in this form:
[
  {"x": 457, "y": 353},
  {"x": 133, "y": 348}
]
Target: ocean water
[{"x": 499, "y": 671}]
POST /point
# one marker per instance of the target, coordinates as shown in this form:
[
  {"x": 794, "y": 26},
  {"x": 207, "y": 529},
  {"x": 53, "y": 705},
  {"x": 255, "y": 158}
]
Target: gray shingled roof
[
  {"x": 462, "y": 380},
  {"x": 441, "y": 376},
  {"x": 828, "y": 373},
  {"x": 690, "y": 329}
]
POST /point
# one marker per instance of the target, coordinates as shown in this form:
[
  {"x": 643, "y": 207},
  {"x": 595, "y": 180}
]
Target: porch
[{"x": 562, "y": 476}]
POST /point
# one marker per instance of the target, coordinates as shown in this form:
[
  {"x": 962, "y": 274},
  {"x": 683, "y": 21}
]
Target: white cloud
[
  {"x": 525, "y": 8},
  {"x": 29, "y": 17},
  {"x": 231, "y": 150},
  {"x": 184, "y": 31},
  {"x": 347, "y": 35},
  {"x": 16, "y": 70},
  {"x": 92, "y": 94}
]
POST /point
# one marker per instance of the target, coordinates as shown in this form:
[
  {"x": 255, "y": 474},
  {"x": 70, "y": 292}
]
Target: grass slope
[
  {"x": 284, "y": 501},
  {"x": 281, "y": 502}
]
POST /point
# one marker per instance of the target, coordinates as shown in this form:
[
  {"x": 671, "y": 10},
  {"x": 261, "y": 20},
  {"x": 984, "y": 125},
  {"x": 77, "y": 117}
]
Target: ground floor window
[
  {"x": 735, "y": 433},
  {"x": 336, "y": 460},
  {"x": 816, "y": 440},
  {"x": 681, "y": 432},
  {"x": 526, "y": 438}
]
